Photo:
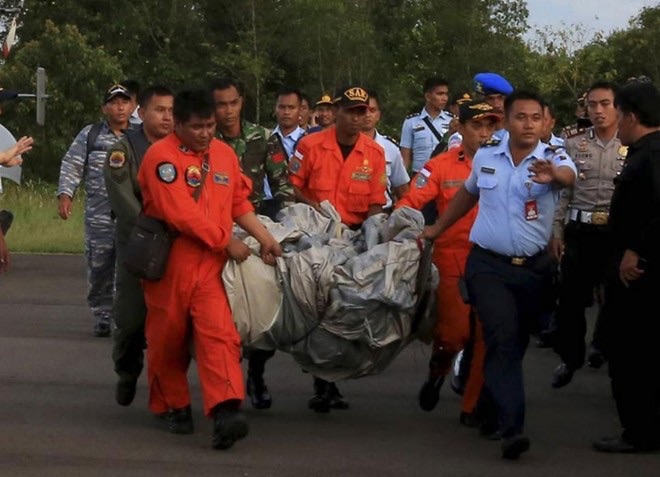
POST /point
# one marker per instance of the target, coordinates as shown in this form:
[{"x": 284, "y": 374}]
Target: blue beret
[{"x": 492, "y": 83}]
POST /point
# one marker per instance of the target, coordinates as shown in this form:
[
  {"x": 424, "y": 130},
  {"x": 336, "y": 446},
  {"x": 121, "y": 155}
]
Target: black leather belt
[{"x": 517, "y": 261}]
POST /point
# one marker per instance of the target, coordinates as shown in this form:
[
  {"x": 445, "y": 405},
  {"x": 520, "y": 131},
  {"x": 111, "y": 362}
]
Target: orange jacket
[
  {"x": 319, "y": 170},
  {"x": 440, "y": 179},
  {"x": 168, "y": 176}
]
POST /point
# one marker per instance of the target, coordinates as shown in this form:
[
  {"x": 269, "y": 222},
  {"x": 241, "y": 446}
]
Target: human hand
[
  {"x": 430, "y": 232},
  {"x": 543, "y": 171},
  {"x": 556, "y": 248},
  {"x": 629, "y": 267},
  {"x": 237, "y": 250},
  {"x": 270, "y": 250},
  {"x": 64, "y": 206}
]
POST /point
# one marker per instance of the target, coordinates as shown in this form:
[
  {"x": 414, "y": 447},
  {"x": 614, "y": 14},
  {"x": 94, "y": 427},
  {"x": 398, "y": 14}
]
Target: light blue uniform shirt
[
  {"x": 289, "y": 142},
  {"x": 416, "y": 135},
  {"x": 556, "y": 141},
  {"x": 394, "y": 168},
  {"x": 503, "y": 189}
]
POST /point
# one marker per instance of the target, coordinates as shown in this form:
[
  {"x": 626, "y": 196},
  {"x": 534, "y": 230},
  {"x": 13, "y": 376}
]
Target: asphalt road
[{"x": 58, "y": 416}]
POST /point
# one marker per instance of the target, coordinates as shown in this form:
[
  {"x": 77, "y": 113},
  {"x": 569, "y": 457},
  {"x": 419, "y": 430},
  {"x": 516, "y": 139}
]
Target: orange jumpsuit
[
  {"x": 319, "y": 170},
  {"x": 190, "y": 300},
  {"x": 439, "y": 179}
]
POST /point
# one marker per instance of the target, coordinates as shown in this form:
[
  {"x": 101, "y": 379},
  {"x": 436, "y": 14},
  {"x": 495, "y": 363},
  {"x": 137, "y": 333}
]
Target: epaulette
[
  {"x": 552, "y": 147},
  {"x": 450, "y": 114},
  {"x": 491, "y": 142},
  {"x": 392, "y": 140},
  {"x": 412, "y": 115}
]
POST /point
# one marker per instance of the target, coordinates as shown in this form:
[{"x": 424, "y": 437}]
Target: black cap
[
  {"x": 326, "y": 99},
  {"x": 475, "y": 110},
  {"x": 6, "y": 95},
  {"x": 114, "y": 91},
  {"x": 351, "y": 97}
]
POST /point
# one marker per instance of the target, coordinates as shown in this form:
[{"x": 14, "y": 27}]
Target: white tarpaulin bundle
[{"x": 344, "y": 303}]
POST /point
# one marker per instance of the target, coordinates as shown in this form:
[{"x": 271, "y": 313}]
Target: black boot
[
  {"x": 125, "y": 390},
  {"x": 179, "y": 421},
  {"x": 429, "y": 395},
  {"x": 337, "y": 401},
  {"x": 258, "y": 392},
  {"x": 229, "y": 424},
  {"x": 320, "y": 401}
]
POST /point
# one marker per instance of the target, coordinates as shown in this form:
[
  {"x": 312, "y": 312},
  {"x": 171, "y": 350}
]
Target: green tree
[{"x": 78, "y": 74}]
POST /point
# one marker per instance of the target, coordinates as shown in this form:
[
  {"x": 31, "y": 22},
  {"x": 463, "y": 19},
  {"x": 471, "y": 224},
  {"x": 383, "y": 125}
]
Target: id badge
[{"x": 531, "y": 210}]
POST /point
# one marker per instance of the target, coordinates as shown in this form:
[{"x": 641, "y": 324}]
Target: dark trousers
[
  {"x": 587, "y": 254},
  {"x": 509, "y": 300},
  {"x": 129, "y": 313},
  {"x": 635, "y": 358}
]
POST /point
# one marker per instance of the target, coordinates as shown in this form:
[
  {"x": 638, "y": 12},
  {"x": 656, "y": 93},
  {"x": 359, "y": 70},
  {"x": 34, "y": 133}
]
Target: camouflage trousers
[
  {"x": 100, "y": 256},
  {"x": 129, "y": 313}
]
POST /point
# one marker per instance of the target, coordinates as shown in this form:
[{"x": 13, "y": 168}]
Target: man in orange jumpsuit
[
  {"x": 345, "y": 167},
  {"x": 190, "y": 300},
  {"x": 439, "y": 180}
]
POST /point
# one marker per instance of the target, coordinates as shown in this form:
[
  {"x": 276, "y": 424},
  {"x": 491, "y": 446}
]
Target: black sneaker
[
  {"x": 125, "y": 390},
  {"x": 258, "y": 392},
  {"x": 429, "y": 395},
  {"x": 102, "y": 330},
  {"x": 337, "y": 401},
  {"x": 229, "y": 426},
  {"x": 179, "y": 421}
]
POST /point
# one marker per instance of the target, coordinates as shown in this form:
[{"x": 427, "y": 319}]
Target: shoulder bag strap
[{"x": 205, "y": 172}]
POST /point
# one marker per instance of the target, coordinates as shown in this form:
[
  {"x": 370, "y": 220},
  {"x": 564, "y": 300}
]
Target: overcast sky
[{"x": 596, "y": 15}]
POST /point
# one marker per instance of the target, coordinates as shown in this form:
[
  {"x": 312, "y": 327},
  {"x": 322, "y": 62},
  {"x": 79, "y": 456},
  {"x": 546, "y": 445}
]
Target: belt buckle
[
  {"x": 518, "y": 261},
  {"x": 599, "y": 218}
]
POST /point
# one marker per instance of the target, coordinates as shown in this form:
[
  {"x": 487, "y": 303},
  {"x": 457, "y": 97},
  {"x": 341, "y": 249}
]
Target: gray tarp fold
[{"x": 343, "y": 303}]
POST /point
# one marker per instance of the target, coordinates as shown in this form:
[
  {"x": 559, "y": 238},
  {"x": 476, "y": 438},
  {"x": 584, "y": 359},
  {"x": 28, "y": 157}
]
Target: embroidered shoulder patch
[
  {"x": 117, "y": 159},
  {"x": 166, "y": 172}
]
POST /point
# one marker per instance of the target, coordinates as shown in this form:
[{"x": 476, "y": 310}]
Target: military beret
[{"x": 492, "y": 83}]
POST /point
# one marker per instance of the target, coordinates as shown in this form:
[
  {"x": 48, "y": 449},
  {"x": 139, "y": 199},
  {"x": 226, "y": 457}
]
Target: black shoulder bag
[{"x": 148, "y": 247}]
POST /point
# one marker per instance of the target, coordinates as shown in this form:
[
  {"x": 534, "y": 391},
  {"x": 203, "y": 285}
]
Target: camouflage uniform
[
  {"x": 129, "y": 310},
  {"x": 99, "y": 227},
  {"x": 262, "y": 156}
]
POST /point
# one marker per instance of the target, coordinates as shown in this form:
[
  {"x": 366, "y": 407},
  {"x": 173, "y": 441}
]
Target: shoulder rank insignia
[
  {"x": 412, "y": 115},
  {"x": 491, "y": 142},
  {"x": 571, "y": 131},
  {"x": 117, "y": 159},
  {"x": 391, "y": 139},
  {"x": 166, "y": 172}
]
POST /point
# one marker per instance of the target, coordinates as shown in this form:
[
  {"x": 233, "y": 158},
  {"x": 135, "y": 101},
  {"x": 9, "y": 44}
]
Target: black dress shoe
[
  {"x": 429, "y": 395},
  {"x": 337, "y": 401},
  {"x": 179, "y": 421},
  {"x": 229, "y": 426},
  {"x": 125, "y": 390},
  {"x": 513, "y": 446},
  {"x": 258, "y": 392},
  {"x": 595, "y": 359},
  {"x": 102, "y": 330},
  {"x": 562, "y": 375}
]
